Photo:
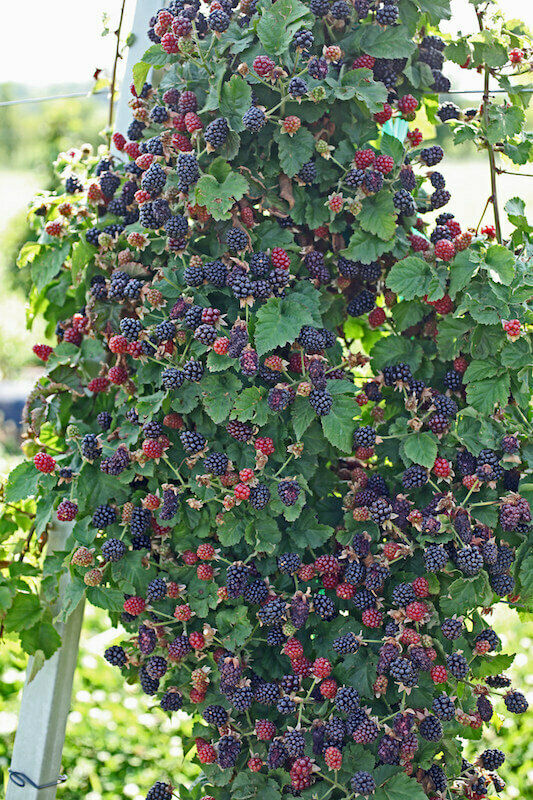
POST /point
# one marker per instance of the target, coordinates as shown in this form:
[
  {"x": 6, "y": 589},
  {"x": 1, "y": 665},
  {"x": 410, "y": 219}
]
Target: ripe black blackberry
[
  {"x": 98, "y": 287},
  {"x": 373, "y": 181},
  {"x": 243, "y": 698},
  {"x": 176, "y": 226},
  {"x": 193, "y": 370},
  {"x": 171, "y": 701},
  {"x": 432, "y": 155},
  {"x": 437, "y": 775},
  {"x": 452, "y": 628},
  {"x": 113, "y": 549},
  {"x": 116, "y": 655},
  {"x": 387, "y": 14},
  {"x": 441, "y": 84},
  {"x": 438, "y": 423},
  {"x": 154, "y": 179},
  {"x": 288, "y": 563},
  {"x": 457, "y": 665},
  {"x": 215, "y": 272},
  {"x": 275, "y": 636},
  {"x": 240, "y": 431},
  {"x": 254, "y": 119},
  {"x": 466, "y": 463},
  {"x": 104, "y": 419},
  {"x": 192, "y": 441},
  {"x": 363, "y": 783},
  {"x": 164, "y": 331},
  {"x": 218, "y": 21},
  {"x": 469, "y": 560},
  {"x": 73, "y": 184},
  {"x": 311, "y": 339},
  {"x": 347, "y": 699},
  {"x": 362, "y": 303},
  {"x": 354, "y": 178},
  {"x": 334, "y": 731},
  {"x": 147, "y": 639},
  {"x": 216, "y": 463},
  {"x": 256, "y": 592},
  {"x": 453, "y": 380},
  {"x": 396, "y": 373},
  {"x": 515, "y": 702},
  {"x": 172, "y": 378},
  {"x": 492, "y": 759},
  {"x": 485, "y": 708},
  {"x": 445, "y": 405},
  {"x": 303, "y": 39},
  {"x": 159, "y": 115},
  {"x": 340, "y": 10},
  {"x": 443, "y": 707},
  {"x": 135, "y": 130},
  {"x": 404, "y": 672},
  {"x": 132, "y": 289},
  {"x": 321, "y": 402},
  {"x": 277, "y": 754},
  {"x": 347, "y": 643},
  {"x": 259, "y": 496},
  {"x": 90, "y": 447},
  {"x": 403, "y": 594},
  {"x": 187, "y": 168},
  {"x": 490, "y": 636},
  {"x": 237, "y": 576},
  {"x": 156, "y": 666},
  {"x": 193, "y": 316},
  {"x": 431, "y": 729},
  {"x": 160, "y": 791},
  {"x": 286, "y": 706},
  {"x": 156, "y": 590},
  {"x": 502, "y": 585},
  {"x": 109, "y": 183},
  {"x": 294, "y": 742},
  {"x": 498, "y": 681},
  {"x": 153, "y": 146},
  {"x": 380, "y": 510},
  {"x": 408, "y": 179},
  {"x": 215, "y": 715},
  {"x": 130, "y": 328},
  {"x": 149, "y": 685},
  {"x": 217, "y": 132},
  {"x": 278, "y": 399},
  {"x": 205, "y": 334},
  {"x": 297, "y": 87},
  {"x": 308, "y": 173},
  {"x": 288, "y": 492},
  {"x": 324, "y": 607},
  {"x": 273, "y": 612},
  {"x": 414, "y": 477},
  {"x": 364, "y": 437},
  {"x": 240, "y": 283},
  {"x": 236, "y": 239},
  {"x": 404, "y": 202}
]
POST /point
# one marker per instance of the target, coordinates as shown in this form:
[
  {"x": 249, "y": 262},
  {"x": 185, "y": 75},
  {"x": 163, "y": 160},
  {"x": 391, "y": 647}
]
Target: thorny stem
[
  {"x": 115, "y": 65},
  {"x": 490, "y": 150}
]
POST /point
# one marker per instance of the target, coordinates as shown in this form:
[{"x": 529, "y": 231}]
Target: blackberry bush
[{"x": 288, "y": 410}]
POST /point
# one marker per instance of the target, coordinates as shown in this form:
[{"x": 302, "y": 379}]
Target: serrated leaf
[
  {"x": 478, "y": 370},
  {"x": 360, "y": 84},
  {"x": 278, "y": 24},
  {"x": 22, "y": 482},
  {"x": 421, "y": 448},
  {"x": 484, "y": 396},
  {"x": 25, "y": 612},
  {"x": 378, "y": 216},
  {"x": 393, "y": 349},
  {"x": 218, "y": 395},
  {"x": 250, "y": 406},
  {"x": 155, "y": 56},
  {"x": 407, "y": 313},
  {"x": 279, "y": 322},
  {"x": 47, "y": 264},
  {"x": 43, "y": 637},
  {"x": 391, "y": 146},
  {"x": 400, "y": 787},
  {"x": 491, "y": 665},
  {"x": 462, "y": 269},
  {"x": 436, "y": 9},
  {"x": 451, "y": 336},
  {"x": 294, "y": 151},
  {"x": 499, "y": 262},
  {"x": 464, "y": 594},
  {"x": 393, "y": 42},
  {"x": 235, "y": 100},
  {"x": 503, "y": 121},
  {"x": 366, "y": 248},
  {"x": 302, "y": 416},
  {"x": 410, "y": 277},
  {"x": 516, "y": 355},
  {"x": 220, "y": 197},
  {"x": 308, "y": 532},
  {"x": 339, "y": 424}
]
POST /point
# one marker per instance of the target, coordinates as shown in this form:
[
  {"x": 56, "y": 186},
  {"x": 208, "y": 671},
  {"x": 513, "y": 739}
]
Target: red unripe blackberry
[
  {"x": 73, "y": 336},
  {"x": 152, "y": 448},
  {"x": 293, "y": 648},
  {"x": 205, "y": 551},
  {"x": 220, "y": 345},
  {"x": 173, "y": 421},
  {"x": 516, "y": 55},
  {"x": 118, "y": 375},
  {"x": 372, "y": 618},
  {"x": 409, "y": 636},
  {"x": 376, "y": 317},
  {"x": 196, "y": 640},
  {"x": 196, "y": 696},
  {"x": 205, "y": 572},
  {"x": 306, "y": 572},
  {"x": 444, "y": 249},
  {"x": 439, "y": 674},
  {"x": 321, "y": 668},
  {"x": 189, "y": 557},
  {"x": 255, "y": 764},
  {"x": 407, "y": 104},
  {"x": 333, "y": 757},
  {"x": 279, "y": 258},
  {"x": 132, "y": 149},
  {"x": 383, "y": 116},
  {"x": 442, "y": 468},
  {"x": 183, "y": 613},
  {"x": 384, "y": 164},
  {"x": 512, "y": 327},
  {"x": 134, "y": 606},
  {"x": 364, "y": 62},
  {"x": 415, "y": 137},
  {"x": 265, "y": 730},
  {"x": 421, "y": 586},
  {"x": 118, "y": 344},
  {"x": 345, "y": 591},
  {"x": 42, "y": 351},
  {"x": 66, "y": 510},
  {"x": 44, "y": 462},
  {"x": 328, "y": 688},
  {"x": 364, "y": 158},
  {"x": 241, "y": 491},
  {"x": 265, "y": 445},
  {"x": 416, "y": 611},
  {"x": 246, "y": 475},
  {"x": 205, "y": 751},
  {"x": 263, "y": 65}
]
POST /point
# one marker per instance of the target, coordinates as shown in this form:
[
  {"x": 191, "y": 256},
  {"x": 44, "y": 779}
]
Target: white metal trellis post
[
  {"x": 46, "y": 699},
  {"x": 45, "y": 703}
]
